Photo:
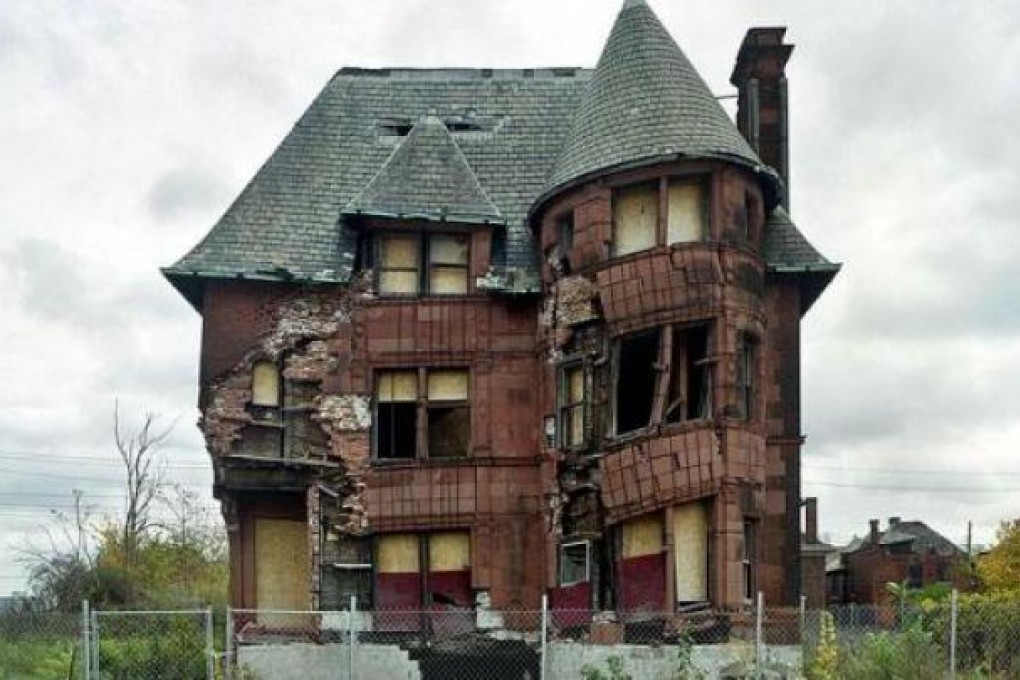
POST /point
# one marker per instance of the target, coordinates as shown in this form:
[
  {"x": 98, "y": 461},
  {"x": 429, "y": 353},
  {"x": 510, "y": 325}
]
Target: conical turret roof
[
  {"x": 645, "y": 103},
  {"x": 428, "y": 177}
]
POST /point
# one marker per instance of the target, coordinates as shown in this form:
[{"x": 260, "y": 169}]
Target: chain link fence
[
  {"x": 154, "y": 645},
  {"x": 41, "y": 645},
  {"x": 968, "y": 636}
]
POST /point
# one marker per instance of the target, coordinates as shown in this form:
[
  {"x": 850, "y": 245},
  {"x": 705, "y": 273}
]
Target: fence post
[
  {"x": 803, "y": 618},
  {"x": 210, "y": 647},
  {"x": 953, "y": 613},
  {"x": 94, "y": 640},
  {"x": 86, "y": 644},
  {"x": 758, "y": 641},
  {"x": 544, "y": 636},
  {"x": 352, "y": 636},
  {"x": 228, "y": 645}
]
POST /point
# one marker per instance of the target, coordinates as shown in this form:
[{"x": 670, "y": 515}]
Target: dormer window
[{"x": 429, "y": 264}]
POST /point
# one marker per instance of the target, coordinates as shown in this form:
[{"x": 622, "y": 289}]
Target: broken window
[
  {"x": 687, "y": 214},
  {"x": 690, "y": 385},
  {"x": 448, "y": 414},
  {"x": 265, "y": 384},
  {"x": 575, "y": 563},
  {"x": 441, "y": 410},
  {"x": 636, "y": 377},
  {"x": 747, "y": 560},
  {"x": 435, "y": 264},
  {"x": 635, "y": 218},
  {"x": 572, "y": 406},
  {"x": 347, "y": 569},
  {"x": 746, "y": 375},
  {"x": 396, "y": 423}
]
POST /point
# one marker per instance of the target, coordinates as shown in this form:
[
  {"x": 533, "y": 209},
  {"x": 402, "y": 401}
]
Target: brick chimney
[
  {"x": 810, "y": 520},
  {"x": 893, "y": 521},
  {"x": 874, "y": 531},
  {"x": 762, "y": 113}
]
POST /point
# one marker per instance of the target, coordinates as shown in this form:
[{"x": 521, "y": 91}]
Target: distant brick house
[
  {"x": 472, "y": 336},
  {"x": 910, "y": 553}
]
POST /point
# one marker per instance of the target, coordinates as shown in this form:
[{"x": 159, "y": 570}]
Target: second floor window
[
  {"x": 572, "y": 406},
  {"x": 422, "y": 414},
  {"x": 636, "y": 218},
  {"x": 429, "y": 264}
]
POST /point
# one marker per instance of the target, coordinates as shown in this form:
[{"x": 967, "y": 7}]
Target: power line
[
  {"x": 927, "y": 489},
  {"x": 911, "y": 471}
]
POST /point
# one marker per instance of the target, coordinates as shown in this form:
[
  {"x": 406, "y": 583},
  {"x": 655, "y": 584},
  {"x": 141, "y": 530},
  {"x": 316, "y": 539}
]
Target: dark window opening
[
  {"x": 441, "y": 409},
  {"x": 915, "y": 575},
  {"x": 397, "y": 428},
  {"x": 747, "y": 560},
  {"x": 448, "y": 431},
  {"x": 636, "y": 378},
  {"x": 690, "y": 386},
  {"x": 346, "y": 569},
  {"x": 565, "y": 239},
  {"x": 575, "y": 563},
  {"x": 746, "y": 375}
]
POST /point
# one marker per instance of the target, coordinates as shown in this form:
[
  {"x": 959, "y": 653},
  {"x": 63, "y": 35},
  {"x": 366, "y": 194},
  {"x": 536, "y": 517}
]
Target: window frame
[
  {"x": 565, "y": 408},
  {"x": 560, "y": 562},
  {"x": 746, "y": 375},
  {"x": 425, "y": 265},
  {"x": 422, "y": 406},
  {"x": 747, "y": 560},
  {"x": 660, "y": 188}
]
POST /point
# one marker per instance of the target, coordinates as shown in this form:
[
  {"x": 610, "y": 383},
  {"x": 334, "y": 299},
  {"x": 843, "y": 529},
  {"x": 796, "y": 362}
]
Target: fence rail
[{"x": 970, "y": 636}]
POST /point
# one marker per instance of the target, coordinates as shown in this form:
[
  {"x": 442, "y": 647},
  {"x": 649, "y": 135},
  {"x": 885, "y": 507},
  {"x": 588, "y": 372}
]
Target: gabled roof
[
  {"x": 286, "y": 223},
  {"x": 646, "y": 103},
  {"x": 919, "y": 535},
  {"x": 426, "y": 177}
]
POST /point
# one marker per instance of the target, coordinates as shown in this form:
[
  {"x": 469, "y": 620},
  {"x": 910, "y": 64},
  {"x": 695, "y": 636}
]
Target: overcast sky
[{"x": 127, "y": 128}]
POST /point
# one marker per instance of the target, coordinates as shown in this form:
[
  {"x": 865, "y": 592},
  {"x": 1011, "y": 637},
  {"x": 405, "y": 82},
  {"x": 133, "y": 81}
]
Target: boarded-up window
[
  {"x": 448, "y": 415},
  {"x": 690, "y": 546},
  {"x": 641, "y": 570},
  {"x": 686, "y": 216},
  {"x": 281, "y": 565},
  {"x": 399, "y": 262},
  {"x": 690, "y": 384},
  {"x": 396, "y": 414},
  {"x": 572, "y": 405},
  {"x": 635, "y": 218},
  {"x": 575, "y": 564},
  {"x": 265, "y": 384},
  {"x": 636, "y": 376},
  {"x": 444, "y": 579},
  {"x": 448, "y": 265}
]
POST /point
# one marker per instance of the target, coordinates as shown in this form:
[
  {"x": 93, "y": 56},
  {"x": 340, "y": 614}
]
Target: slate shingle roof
[
  {"x": 287, "y": 224},
  {"x": 426, "y": 177},
  {"x": 646, "y": 103}
]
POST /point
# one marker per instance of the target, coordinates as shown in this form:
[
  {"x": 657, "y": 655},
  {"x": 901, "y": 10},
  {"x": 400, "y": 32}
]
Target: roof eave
[
  {"x": 814, "y": 278},
  {"x": 485, "y": 220},
  {"x": 191, "y": 283},
  {"x": 771, "y": 183}
]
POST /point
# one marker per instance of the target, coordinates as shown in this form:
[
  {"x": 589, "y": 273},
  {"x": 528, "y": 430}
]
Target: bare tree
[{"x": 144, "y": 470}]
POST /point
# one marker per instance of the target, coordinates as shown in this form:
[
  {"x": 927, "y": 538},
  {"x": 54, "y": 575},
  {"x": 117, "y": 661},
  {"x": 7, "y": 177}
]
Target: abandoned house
[
  {"x": 907, "y": 552},
  {"x": 472, "y": 336}
]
